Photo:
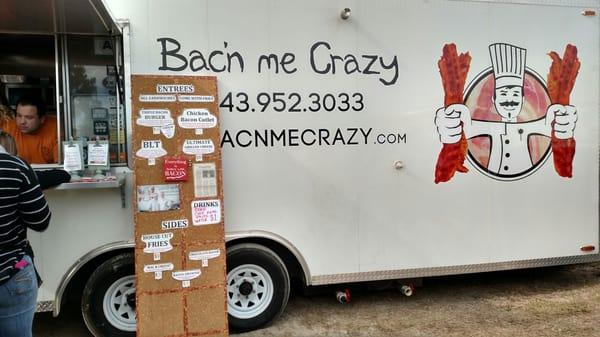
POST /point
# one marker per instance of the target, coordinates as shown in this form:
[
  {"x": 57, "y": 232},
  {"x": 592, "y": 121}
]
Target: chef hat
[{"x": 508, "y": 62}]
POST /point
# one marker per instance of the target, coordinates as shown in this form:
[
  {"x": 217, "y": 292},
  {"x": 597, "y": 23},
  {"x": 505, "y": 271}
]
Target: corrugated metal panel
[
  {"x": 450, "y": 270},
  {"x": 565, "y": 3}
]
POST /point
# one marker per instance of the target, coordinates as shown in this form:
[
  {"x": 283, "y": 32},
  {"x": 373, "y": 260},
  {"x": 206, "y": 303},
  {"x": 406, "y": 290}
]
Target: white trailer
[{"x": 331, "y": 131}]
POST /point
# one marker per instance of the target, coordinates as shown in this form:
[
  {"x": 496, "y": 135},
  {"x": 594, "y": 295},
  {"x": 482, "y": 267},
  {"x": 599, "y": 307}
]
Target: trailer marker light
[
  {"x": 589, "y": 248},
  {"x": 589, "y": 12}
]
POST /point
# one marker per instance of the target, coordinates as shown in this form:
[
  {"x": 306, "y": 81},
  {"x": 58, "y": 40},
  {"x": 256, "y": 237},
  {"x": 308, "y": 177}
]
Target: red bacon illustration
[
  {"x": 453, "y": 69},
  {"x": 561, "y": 80}
]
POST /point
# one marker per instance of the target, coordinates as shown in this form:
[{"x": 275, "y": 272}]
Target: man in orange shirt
[{"x": 34, "y": 132}]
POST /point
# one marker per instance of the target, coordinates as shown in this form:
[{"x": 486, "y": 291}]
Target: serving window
[{"x": 76, "y": 77}]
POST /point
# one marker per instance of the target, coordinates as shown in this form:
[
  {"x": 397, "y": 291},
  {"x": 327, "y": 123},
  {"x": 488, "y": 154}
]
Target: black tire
[
  {"x": 257, "y": 271},
  {"x": 114, "y": 278}
]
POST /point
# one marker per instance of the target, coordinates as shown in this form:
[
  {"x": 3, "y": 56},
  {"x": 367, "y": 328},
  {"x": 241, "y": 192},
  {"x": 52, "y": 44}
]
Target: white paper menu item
[
  {"x": 157, "y": 269},
  {"x": 185, "y": 276},
  {"x": 157, "y": 243},
  {"x": 204, "y": 256},
  {"x": 98, "y": 154},
  {"x": 72, "y": 158}
]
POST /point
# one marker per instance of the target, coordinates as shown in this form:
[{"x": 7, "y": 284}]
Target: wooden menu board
[{"x": 179, "y": 231}]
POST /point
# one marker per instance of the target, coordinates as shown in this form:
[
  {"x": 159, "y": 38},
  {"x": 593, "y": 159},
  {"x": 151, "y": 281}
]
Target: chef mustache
[{"x": 509, "y": 103}]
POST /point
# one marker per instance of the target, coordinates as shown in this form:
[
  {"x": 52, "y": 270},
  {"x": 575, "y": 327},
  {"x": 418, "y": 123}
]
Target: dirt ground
[{"x": 558, "y": 301}]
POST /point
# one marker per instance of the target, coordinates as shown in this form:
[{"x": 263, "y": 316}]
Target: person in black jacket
[
  {"x": 46, "y": 179},
  {"x": 51, "y": 178},
  {"x": 22, "y": 206}
]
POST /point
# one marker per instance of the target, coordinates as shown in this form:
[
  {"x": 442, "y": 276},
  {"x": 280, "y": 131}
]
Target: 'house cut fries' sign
[{"x": 179, "y": 233}]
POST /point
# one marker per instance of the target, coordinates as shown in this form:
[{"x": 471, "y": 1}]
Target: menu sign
[{"x": 179, "y": 231}]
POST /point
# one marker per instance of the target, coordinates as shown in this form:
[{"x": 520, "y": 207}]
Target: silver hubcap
[
  {"x": 117, "y": 309},
  {"x": 249, "y": 291}
]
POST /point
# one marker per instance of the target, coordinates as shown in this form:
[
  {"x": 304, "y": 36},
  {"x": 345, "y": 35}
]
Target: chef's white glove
[
  {"x": 564, "y": 118},
  {"x": 448, "y": 119}
]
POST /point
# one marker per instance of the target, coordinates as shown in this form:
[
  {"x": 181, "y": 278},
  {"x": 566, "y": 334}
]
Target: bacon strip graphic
[
  {"x": 561, "y": 80},
  {"x": 453, "y": 69}
]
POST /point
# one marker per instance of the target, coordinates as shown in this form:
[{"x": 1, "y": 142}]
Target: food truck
[{"x": 361, "y": 140}]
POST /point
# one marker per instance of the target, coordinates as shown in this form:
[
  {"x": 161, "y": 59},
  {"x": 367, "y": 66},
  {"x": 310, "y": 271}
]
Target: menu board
[{"x": 179, "y": 231}]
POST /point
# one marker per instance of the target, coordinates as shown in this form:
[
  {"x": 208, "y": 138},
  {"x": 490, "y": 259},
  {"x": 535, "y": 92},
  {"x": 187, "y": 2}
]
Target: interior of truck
[{"x": 66, "y": 53}]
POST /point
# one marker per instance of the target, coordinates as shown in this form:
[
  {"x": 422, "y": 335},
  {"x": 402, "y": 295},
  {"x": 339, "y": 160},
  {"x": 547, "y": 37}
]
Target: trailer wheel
[
  {"x": 108, "y": 300},
  {"x": 258, "y": 286}
]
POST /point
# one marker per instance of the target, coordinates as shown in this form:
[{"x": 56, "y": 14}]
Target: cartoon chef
[{"x": 509, "y": 153}]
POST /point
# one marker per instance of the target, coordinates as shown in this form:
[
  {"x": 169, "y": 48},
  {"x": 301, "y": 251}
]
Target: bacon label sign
[
  {"x": 186, "y": 275},
  {"x": 157, "y": 243},
  {"x": 198, "y": 147},
  {"x": 197, "y": 119},
  {"x": 151, "y": 149},
  {"x": 206, "y": 212},
  {"x": 175, "y": 169},
  {"x": 157, "y": 269},
  {"x": 204, "y": 256}
]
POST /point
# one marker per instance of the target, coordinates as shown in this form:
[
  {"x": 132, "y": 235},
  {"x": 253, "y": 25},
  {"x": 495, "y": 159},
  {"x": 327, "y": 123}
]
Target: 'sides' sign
[
  {"x": 175, "y": 88},
  {"x": 174, "y": 224}
]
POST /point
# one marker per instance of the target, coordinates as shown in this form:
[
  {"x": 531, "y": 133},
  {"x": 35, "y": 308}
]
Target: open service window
[
  {"x": 73, "y": 81},
  {"x": 63, "y": 57}
]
